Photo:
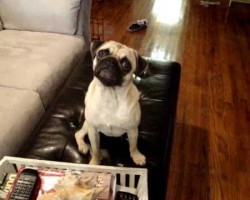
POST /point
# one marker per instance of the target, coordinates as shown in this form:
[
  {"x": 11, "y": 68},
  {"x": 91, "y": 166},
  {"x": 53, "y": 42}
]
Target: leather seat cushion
[{"x": 159, "y": 93}]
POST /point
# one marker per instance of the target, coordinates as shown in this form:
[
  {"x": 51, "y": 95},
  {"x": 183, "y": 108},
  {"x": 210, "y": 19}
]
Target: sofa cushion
[
  {"x": 37, "y": 61},
  {"x": 20, "y": 111},
  {"x": 57, "y": 16}
]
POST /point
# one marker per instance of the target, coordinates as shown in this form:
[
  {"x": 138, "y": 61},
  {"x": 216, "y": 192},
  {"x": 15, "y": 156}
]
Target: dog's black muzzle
[{"x": 108, "y": 72}]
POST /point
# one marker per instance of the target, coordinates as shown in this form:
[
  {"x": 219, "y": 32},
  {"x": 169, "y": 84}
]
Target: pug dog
[{"x": 111, "y": 102}]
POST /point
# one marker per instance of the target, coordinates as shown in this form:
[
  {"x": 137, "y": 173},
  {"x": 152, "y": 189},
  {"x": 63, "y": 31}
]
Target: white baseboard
[{"x": 239, "y": 1}]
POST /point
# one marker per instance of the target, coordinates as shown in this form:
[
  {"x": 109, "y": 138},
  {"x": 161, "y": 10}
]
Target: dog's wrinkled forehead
[{"x": 119, "y": 51}]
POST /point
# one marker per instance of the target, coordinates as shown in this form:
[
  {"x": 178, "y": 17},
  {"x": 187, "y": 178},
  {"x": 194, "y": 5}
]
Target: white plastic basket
[{"x": 129, "y": 177}]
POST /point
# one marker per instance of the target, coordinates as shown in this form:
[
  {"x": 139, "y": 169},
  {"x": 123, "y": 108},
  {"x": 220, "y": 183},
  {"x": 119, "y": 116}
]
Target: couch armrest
[
  {"x": 83, "y": 28},
  {"x": 1, "y": 25}
]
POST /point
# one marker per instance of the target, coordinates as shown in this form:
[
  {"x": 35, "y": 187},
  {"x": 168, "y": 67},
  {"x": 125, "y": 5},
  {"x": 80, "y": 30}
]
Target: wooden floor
[{"x": 211, "y": 149}]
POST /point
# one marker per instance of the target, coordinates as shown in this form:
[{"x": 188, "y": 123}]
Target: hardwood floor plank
[{"x": 211, "y": 149}]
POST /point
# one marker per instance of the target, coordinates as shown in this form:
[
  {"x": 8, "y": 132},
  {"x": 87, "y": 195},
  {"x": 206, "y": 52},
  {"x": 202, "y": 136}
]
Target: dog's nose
[{"x": 111, "y": 62}]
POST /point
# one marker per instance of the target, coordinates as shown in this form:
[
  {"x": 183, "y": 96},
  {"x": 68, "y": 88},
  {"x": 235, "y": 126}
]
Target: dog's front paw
[
  {"x": 138, "y": 158},
  {"x": 83, "y": 148},
  {"x": 94, "y": 161}
]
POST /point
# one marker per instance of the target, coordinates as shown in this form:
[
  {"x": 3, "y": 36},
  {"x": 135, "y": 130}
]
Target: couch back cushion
[{"x": 56, "y": 16}]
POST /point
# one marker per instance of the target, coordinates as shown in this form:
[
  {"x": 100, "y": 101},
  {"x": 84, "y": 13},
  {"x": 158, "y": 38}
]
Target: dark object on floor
[
  {"x": 209, "y": 3},
  {"x": 54, "y": 139},
  {"x": 138, "y": 25}
]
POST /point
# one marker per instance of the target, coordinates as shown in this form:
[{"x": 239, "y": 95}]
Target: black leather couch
[{"x": 54, "y": 137}]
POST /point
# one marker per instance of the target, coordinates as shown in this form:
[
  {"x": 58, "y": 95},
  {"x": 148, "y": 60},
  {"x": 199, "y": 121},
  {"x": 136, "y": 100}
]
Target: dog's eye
[
  {"x": 126, "y": 66},
  {"x": 102, "y": 53}
]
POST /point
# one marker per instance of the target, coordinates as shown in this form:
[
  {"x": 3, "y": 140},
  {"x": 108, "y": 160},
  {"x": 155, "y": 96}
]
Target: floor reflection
[
  {"x": 159, "y": 54},
  {"x": 167, "y": 11}
]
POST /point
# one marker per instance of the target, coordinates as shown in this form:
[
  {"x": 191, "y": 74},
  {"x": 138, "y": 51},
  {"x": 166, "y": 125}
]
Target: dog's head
[{"x": 114, "y": 63}]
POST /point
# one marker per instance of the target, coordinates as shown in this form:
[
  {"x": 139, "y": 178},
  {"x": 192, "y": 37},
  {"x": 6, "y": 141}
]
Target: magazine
[
  {"x": 70, "y": 185},
  {"x": 6, "y": 185}
]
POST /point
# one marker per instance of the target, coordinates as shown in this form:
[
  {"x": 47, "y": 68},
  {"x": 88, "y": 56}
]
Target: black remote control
[
  {"x": 125, "y": 196},
  {"x": 24, "y": 185}
]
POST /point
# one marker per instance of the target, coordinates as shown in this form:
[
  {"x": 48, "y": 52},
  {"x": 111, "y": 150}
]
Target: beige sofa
[{"x": 41, "y": 41}]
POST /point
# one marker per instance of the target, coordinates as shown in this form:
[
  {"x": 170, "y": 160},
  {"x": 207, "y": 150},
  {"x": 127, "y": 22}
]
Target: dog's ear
[
  {"x": 141, "y": 65},
  {"x": 94, "y": 46}
]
